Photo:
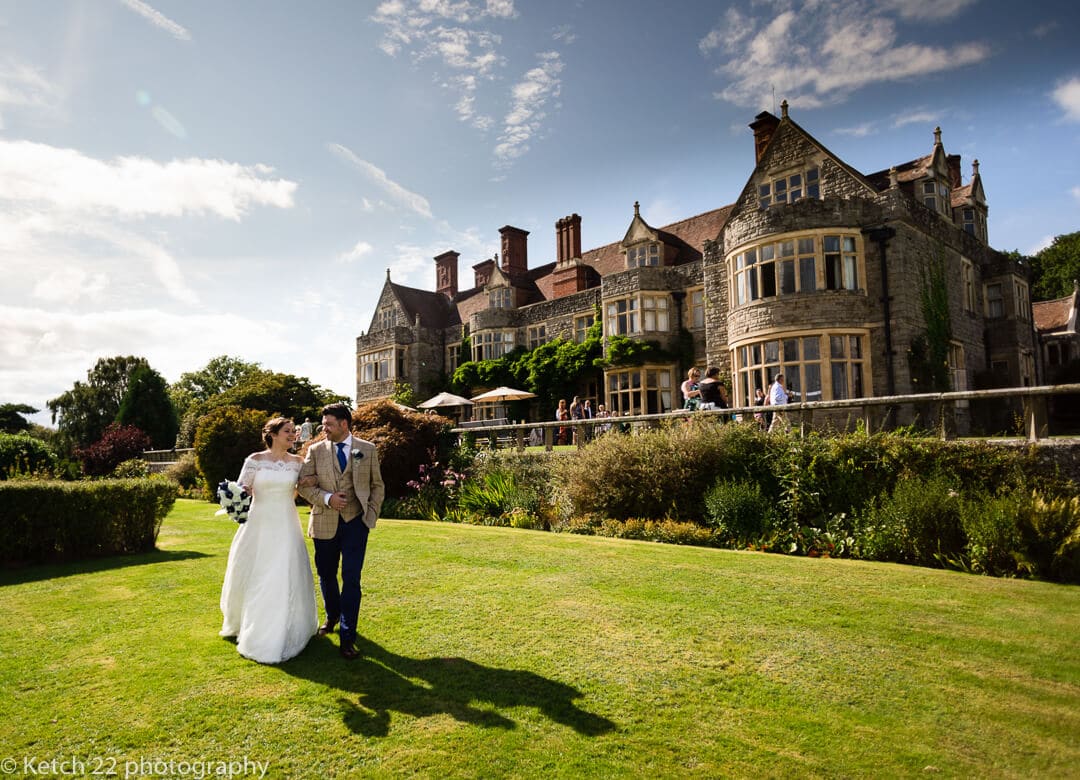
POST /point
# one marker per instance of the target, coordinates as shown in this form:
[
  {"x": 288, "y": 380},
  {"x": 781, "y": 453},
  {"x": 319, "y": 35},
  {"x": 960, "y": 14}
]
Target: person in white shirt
[{"x": 778, "y": 396}]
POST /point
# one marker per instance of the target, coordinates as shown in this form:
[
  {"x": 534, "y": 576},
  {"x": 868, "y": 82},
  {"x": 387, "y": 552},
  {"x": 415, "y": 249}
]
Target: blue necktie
[{"x": 341, "y": 459}]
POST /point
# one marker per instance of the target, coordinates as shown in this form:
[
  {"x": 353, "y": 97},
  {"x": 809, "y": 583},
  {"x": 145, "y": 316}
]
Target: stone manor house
[{"x": 815, "y": 269}]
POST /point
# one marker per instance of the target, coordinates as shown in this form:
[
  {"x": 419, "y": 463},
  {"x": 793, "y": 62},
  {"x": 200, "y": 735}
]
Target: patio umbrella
[
  {"x": 445, "y": 399},
  {"x": 504, "y": 394}
]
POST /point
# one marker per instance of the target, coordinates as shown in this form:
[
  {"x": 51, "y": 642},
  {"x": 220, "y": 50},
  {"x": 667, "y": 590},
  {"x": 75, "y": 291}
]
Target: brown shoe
[
  {"x": 326, "y": 628},
  {"x": 349, "y": 653}
]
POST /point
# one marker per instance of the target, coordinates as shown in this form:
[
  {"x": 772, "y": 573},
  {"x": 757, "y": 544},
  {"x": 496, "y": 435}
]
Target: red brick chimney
[
  {"x": 567, "y": 239},
  {"x": 955, "y": 179},
  {"x": 482, "y": 272},
  {"x": 764, "y": 125},
  {"x": 515, "y": 250},
  {"x": 446, "y": 273}
]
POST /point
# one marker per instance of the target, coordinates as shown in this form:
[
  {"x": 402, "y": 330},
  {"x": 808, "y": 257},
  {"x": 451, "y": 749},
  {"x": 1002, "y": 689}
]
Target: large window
[
  {"x": 640, "y": 390},
  {"x": 377, "y": 365},
  {"x": 967, "y": 276},
  {"x": 796, "y": 264},
  {"x": 582, "y": 323},
  {"x": 957, "y": 367},
  {"x": 386, "y": 317},
  {"x": 995, "y": 301},
  {"x": 492, "y": 344},
  {"x": 1023, "y": 301},
  {"x": 638, "y": 314},
  {"x": 696, "y": 304},
  {"x": 935, "y": 196},
  {"x": 816, "y": 367},
  {"x": 643, "y": 255},
  {"x": 788, "y": 189},
  {"x": 537, "y": 335},
  {"x": 501, "y": 298}
]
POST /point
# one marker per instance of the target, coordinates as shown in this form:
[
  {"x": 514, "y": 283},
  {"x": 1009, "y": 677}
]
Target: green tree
[
  {"x": 1056, "y": 268},
  {"x": 217, "y": 376},
  {"x": 225, "y": 436},
  {"x": 290, "y": 396},
  {"x": 147, "y": 406},
  {"x": 84, "y": 411},
  {"x": 11, "y": 417}
]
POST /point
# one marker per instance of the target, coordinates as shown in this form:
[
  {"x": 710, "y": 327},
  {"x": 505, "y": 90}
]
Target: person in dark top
[{"x": 712, "y": 391}]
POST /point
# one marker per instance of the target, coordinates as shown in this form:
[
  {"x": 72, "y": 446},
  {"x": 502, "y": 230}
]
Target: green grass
[{"x": 499, "y": 652}]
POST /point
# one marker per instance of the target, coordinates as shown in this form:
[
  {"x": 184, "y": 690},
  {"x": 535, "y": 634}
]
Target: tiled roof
[
  {"x": 434, "y": 309},
  {"x": 905, "y": 172},
  {"x": 961, "y": 195},
  {"x": 690, "y": 234},
  {"x": 1052, "y": 316}
]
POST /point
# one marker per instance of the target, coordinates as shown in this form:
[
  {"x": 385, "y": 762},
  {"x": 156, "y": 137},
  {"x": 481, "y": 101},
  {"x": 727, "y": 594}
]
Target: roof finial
[
  {"x": 974, "y": 168},
  {"x": 637, "y": 209},
  {"x": 937, "y": 136},
  {"x": 388, "y": 274},
  {"x": 893, "y": 180},
  {"x": 783, "y": 109}
]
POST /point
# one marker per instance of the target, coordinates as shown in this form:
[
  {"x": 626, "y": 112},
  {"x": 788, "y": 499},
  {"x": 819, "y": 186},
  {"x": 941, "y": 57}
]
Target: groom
[{"x": 345, "y": 503}]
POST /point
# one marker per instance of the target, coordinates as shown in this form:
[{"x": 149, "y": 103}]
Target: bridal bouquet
[{"x": 235, "y": 501}]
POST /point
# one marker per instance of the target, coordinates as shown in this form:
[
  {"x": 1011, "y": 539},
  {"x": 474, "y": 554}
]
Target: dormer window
[
  {"x": 501, "y": 298},
  {"x": 386, "y": 318},
  {"x": 788, "y": 189},
  {"x": 643, "y": 255},
  {"x": 935, "y": 196},
  {"x": 973, "y": 222}
]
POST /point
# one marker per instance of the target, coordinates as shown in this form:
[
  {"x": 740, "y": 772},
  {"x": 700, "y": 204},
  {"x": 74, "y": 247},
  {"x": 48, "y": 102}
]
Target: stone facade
[{"x": 816, "y": 269}]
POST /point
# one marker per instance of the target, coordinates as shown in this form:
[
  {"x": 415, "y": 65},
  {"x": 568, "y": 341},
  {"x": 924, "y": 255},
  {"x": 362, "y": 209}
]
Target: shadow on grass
[
  {"x": 15, "y": 574},
  {"x": 384, "y": 682}
]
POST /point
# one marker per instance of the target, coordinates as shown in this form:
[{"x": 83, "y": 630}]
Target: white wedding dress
[{"x": 268, "y": 598}]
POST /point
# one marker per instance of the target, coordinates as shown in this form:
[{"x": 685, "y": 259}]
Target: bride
[{"x": 268, "y": 597}]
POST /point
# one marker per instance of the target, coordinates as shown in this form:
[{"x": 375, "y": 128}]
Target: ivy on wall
[{"x": 928, "y": 355}]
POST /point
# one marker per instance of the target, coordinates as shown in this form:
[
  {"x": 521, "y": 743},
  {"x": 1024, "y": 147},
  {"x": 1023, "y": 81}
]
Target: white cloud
[
  {"x": 527, "y": 112},
  {"x": 1042, "y": 244},
  {"x": 1075, "y": 192},
  {"x": 358, "y": 252},
  {"x": 23, "y": 86},
  {"x": 67, "y": 180},
  {"x": 916, "y": 117},
  {"x": 395, "y": 191},
  {"x": 1067, "y": 96},
  {"x": 158, "y": 19},
  {"x": 1045, "y": 29},
  {"x": 858, "y": 131},
  {"x": 822, "y": 52},
  {"x": 925, "y": 10}
]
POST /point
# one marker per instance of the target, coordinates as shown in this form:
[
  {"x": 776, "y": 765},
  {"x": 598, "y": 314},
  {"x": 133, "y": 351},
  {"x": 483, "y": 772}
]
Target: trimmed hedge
[
  {"x": 46, "y": 521},
  {"x": 224, "y": 437}
]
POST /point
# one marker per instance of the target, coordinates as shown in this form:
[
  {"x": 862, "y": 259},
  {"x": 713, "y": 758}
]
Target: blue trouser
[{"x": 349, "y": 545}]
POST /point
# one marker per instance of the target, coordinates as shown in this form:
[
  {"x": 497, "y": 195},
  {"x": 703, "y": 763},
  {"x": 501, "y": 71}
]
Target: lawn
[{"x": 506, "y": 653}]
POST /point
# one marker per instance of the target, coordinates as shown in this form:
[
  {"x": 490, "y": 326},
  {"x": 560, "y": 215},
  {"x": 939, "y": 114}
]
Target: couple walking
[{"x": 268, "y": 598}]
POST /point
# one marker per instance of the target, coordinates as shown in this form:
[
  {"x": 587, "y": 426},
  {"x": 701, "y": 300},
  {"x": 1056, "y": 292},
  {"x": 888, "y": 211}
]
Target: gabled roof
[
  {"x": 688, "y": 235},
  {"x": 913, "y": 170},
  {"x": 1053, "y": 316},
  {"x": 961, "y": 195},
  {"x": 434, "y": 308}
]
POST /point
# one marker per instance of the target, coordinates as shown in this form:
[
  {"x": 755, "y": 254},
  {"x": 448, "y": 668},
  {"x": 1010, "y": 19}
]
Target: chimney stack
[
  {"x": 515, "y": 250},
  {"x": 567, "y": 239},
  {"x": 764, "y": 125},
  {"x": 482, "y": 272},
  {"x": 955, "y": 179},
  {"x": 446, "y": 266}
]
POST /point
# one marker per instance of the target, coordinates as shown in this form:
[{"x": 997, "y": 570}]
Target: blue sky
[{"x": 181, "y": 179}]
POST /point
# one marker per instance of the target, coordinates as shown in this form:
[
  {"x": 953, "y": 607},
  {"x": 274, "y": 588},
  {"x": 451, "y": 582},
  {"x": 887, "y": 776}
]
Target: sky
[{"x": 181, "y": 179}]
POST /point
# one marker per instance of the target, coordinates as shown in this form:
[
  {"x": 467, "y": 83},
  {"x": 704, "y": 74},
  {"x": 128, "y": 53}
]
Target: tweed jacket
[{"x": 361, "y": 482}]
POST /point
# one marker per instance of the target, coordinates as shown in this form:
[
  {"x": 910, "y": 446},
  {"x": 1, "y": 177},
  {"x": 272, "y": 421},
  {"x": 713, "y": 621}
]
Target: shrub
[
  {"x": 185, "y": 474},
  {"x": 404, "y": 440},
  {"x": 21, "y": 454},
  {"x": 59, "y": 521},
  {"x": 994, "y": 545},
  {"x": 117, "y": 444},
  {"x": 738, "y": 511},
  {"x": 135, "y": 468},
  {"x": 921, "y": 522},
  {"x": 223, "y": 438},
  {"x": 1050, "y": 529}
]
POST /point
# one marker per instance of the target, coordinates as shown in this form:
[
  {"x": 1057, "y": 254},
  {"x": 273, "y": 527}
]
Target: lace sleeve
[{"x": 247, "y": 473}]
